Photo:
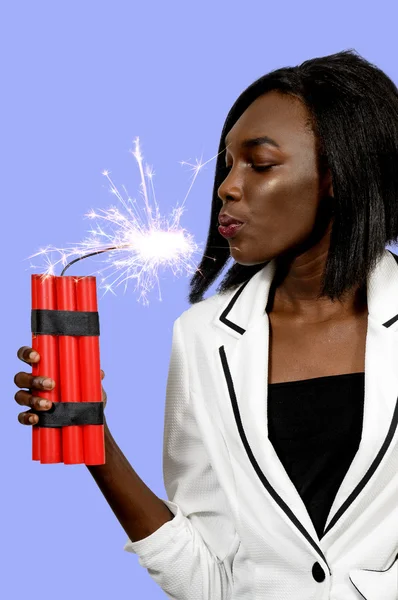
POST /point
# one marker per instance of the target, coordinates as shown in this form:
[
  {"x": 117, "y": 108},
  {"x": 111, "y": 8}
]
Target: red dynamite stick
[
  {"x": 47, "y": 347},
  {"x": 72, "y": 435},
  {"x": 90, "y": 372}
]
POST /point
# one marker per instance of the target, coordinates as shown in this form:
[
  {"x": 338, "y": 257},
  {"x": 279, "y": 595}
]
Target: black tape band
[
  {"x": 63, "y": 414},
  {"x": 64, "y": 322}
]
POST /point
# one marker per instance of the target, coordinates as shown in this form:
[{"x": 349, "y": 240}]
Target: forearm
[{"x": 139, "y": 511}]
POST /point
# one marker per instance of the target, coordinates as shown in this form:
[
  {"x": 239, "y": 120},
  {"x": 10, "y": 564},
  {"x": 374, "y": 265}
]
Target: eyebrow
[{"x": 258, "y": 141}]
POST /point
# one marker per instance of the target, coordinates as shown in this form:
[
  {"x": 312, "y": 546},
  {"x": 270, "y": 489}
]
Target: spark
[{"x": 135, "y": 246}]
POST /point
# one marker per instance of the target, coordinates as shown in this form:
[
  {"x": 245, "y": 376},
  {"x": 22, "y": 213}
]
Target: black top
[{"x": 315, "y": 426}]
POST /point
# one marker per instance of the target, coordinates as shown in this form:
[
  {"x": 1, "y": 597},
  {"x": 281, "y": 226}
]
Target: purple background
[{"x": 80, "y": 80}]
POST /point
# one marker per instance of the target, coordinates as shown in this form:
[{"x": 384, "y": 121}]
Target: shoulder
[{"x": 203, "y": 313}]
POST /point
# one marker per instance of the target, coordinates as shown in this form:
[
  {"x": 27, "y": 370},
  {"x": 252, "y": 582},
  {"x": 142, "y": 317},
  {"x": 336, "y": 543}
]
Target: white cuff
[{"x": 160, "y": 538}]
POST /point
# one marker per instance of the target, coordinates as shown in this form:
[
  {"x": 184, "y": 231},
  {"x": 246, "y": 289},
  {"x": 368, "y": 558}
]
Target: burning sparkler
[{"x": 159, "y": 242}]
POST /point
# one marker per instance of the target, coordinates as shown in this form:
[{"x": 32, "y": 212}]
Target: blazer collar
[{"x": 245, "y": 306}]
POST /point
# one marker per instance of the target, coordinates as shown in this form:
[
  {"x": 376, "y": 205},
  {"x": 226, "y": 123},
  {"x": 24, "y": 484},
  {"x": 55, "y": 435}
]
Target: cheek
[{"x": 286, "y": 195}]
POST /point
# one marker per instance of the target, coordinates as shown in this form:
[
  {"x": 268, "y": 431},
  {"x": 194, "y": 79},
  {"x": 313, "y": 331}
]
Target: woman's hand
[{"x": 40, "y": 383}]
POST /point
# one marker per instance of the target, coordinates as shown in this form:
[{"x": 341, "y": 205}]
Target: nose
[{"x": 229, "y": 189}]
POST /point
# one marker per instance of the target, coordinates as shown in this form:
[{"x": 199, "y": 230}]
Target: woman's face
[{"x": 279, "y": 205}]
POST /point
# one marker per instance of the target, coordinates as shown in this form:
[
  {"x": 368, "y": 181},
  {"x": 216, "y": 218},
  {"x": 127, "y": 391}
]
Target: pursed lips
[{"x": 226, "y": 220}]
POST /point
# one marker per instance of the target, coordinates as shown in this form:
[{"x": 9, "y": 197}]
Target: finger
[
  {"x": 28, "y": 355},
  {"x": 27, "y": 418},
  {"x": 102, "y": 374},
  {"x": 27, "y": 380},
  {"x": 28, "y": 399}
]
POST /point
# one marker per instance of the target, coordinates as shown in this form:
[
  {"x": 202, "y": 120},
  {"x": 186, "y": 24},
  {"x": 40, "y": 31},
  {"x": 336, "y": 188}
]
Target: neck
[{"x": 295, "y": 288}]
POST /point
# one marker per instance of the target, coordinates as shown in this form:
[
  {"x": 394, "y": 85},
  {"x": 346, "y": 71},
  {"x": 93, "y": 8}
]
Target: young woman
[{"x": 280, "y": 438}]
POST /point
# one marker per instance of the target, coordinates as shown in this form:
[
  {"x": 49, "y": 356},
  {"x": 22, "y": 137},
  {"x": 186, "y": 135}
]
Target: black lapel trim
[
  {"x": 391, "y": 321},
  {"x": 223, "y": 317}
]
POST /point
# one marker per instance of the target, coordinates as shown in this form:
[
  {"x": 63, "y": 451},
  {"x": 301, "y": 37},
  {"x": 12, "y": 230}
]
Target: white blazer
[{"x": 241, "y": 530}]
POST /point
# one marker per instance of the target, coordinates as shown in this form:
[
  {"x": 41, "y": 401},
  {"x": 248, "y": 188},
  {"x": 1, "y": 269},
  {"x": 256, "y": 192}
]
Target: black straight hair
[{"x": 353, "y": 108}]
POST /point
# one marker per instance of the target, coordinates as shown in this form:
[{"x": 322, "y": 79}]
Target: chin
[
  {"x": 247, "y": 259},
  {"x": 247, "y": 262}
]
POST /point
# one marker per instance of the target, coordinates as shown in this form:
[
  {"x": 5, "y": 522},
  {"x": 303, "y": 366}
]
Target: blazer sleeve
[{"x": 191, "y": 556}]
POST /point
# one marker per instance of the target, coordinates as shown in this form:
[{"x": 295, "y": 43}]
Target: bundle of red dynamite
[{"x": 65, "y": 333}]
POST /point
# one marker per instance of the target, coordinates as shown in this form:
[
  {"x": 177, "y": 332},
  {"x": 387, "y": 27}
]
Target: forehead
[{"x": 282, "y": 117}]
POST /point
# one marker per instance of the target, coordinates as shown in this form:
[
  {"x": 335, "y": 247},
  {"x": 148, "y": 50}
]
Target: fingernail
[
  {"x": 48, "y": 383},
  {"x": 44, "y": 403},
  {"x": 33, "y": 355}
]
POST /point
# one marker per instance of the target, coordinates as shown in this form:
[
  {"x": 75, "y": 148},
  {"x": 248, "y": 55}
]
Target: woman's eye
[
  {"x": 258, "y": 168},
  {"x": 261, "y": 167}
]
